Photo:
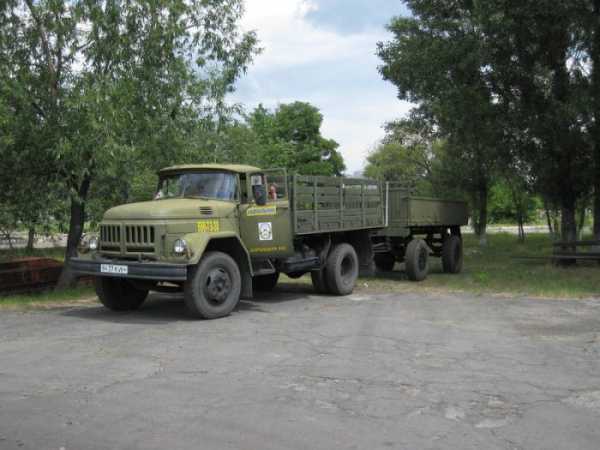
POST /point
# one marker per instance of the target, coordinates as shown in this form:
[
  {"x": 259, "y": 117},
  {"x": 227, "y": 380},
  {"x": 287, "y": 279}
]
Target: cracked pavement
[{"x": 291, "y": 370}]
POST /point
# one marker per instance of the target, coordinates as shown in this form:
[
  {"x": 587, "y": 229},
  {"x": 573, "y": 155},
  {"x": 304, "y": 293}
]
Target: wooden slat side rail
[{"x": 335, "y": 203}]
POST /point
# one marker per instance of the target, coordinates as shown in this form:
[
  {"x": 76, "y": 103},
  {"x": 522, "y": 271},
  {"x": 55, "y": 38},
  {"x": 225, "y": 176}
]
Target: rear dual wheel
[{"x": 339, "y": 275}]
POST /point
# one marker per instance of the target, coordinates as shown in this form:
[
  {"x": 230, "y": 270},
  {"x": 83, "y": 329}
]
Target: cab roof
[{"x": 238, "y": 168}]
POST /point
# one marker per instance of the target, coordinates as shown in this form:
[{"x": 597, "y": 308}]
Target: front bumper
[{"x": 135, "y": 269}]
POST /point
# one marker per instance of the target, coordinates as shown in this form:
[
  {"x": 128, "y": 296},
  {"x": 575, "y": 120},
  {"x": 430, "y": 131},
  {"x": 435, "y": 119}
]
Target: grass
[
  {"x": 48, "y": 299},
  {"x": 487, "y": 270},
  {"x": 494, "y": 270}
]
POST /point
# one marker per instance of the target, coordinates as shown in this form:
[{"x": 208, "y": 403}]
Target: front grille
[
  {"x": 206, "y": 210},
  {"x": 110, "y": 238},
  {"x": 134, "y": 238},
  {"x": 139, "y": 234}
]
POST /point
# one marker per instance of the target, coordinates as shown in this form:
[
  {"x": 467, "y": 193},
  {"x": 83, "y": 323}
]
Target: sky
[{"x": 323, "y": 52}]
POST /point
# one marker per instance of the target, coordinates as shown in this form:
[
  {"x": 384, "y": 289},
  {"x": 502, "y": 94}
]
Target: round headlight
[
  {"x": 179, "y": 247},
  {"x": 93, "y": 243}
]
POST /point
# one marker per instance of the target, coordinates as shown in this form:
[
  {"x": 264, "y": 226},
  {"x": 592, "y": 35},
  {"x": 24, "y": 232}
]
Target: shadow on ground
[{"x": 163, "y": 308}]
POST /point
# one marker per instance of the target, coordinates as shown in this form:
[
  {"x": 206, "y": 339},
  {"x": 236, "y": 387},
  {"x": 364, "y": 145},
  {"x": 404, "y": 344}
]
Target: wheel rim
[
  {"x": 422, "y": 259},
  {"x": 217, "y": 286}
]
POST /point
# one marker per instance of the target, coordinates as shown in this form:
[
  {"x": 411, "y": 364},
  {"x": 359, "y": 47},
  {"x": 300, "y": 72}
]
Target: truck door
[{"x": 266, "y": 228}]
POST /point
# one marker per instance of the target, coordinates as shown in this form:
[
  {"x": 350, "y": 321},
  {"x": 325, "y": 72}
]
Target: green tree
[
  {"x": 115, "y": 86},
  {"x": 435, "y": 60},
  {"x": 537, "y": 70},
  {"x": 291, "y": 137},
  {"x": 507, "y": 84}
]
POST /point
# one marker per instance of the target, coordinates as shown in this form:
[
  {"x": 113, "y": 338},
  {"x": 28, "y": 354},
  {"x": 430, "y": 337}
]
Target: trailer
[{"x": 417, "y": 228}]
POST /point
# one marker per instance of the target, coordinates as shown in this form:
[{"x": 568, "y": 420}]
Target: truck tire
[
  {"x": 452, "y": 255},
  {"x": 213, "y": 287},
  {"x": 385, "y": 262},
  {"x": 342, "y": 269},
  {"x": 319, "y": 281},
  {"x": 417, "y": 260},
  {"x": 118, "y": 294},
  {"x": 265, "y": 283}
]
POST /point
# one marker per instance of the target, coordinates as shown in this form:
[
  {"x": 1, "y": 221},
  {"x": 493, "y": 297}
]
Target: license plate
[{"x": 113, "y": 268}]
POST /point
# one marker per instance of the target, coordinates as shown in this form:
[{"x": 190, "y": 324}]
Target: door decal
[{"x": 265, "y": 231}]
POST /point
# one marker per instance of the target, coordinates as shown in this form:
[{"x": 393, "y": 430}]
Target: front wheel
[
  {"x": 213, "y": 287},
  {"x": 417, "y": 260},
  {"x": 342, "y": 269},
  {"x": 118, "y": 294}
]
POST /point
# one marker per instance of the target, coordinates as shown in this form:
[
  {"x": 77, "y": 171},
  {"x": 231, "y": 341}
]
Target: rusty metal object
[{"x": 29, "y": 274}]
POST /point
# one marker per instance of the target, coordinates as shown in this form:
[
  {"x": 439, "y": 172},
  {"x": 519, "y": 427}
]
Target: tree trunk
[
  {"x": 595, "y": 85},
  {"x": 483, "y": 215},
  {"x": 581, "y": 223},
  {"x": 520, "y": 209},
  {"x": 67, "y": 277},
  {"x": 568, "y": 227},
  {"x": 30, "y": 239},
  {"x": 596, "y": 229},
  {"x": 8, "y": 238},
  {"x": 548, "y": 219},
  {"x": 568, "y": 230},
  {"x": 521, "y": 227}
]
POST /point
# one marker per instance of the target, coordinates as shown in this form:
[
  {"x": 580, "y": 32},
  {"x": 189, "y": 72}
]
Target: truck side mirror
[{"x": 260, "y": 194}]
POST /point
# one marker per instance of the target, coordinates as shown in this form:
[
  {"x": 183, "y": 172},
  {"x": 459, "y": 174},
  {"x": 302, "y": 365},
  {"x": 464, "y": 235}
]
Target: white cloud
[
  {"x": 289, "y": 39},
  {"x": 342, "y": 82}
]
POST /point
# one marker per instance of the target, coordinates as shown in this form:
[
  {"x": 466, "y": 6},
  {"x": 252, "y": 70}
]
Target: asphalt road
[{"x": 297, "y": 371}]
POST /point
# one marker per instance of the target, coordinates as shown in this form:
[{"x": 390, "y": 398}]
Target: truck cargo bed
[{"x": 331, "y": 204}]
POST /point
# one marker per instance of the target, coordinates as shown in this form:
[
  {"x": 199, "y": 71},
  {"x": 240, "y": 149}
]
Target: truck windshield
[{"x": 210, "y": 185}]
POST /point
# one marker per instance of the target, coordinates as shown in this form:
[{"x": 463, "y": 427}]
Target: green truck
[{"x": 220, "y": 232}]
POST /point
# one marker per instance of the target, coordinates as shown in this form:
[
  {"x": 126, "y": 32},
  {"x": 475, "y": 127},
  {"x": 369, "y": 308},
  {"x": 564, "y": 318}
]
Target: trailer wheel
[
  {"x": 265, "y": 283},
  {"x": 342, "y": 269},
  {"x": 385, "y": 262},
  {"x": 452, "y": 255},
  {"x": 417, "y": 260},
  {"x": 319, "y": 281},
  {"x": 118, "y": 294},
  {"x": 213, "y": 287}
]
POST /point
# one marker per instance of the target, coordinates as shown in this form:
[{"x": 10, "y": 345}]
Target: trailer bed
[{"x": 406, "y": 212}]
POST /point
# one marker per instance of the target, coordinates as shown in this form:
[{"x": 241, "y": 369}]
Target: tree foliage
[
  {"x": 291, "y": 137},
  {"x": 507, "y": 85},
  {"x": 110, "y": 86}
]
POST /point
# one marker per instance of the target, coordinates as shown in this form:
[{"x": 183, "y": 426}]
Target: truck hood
[{"x": 177, "y": 208}]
